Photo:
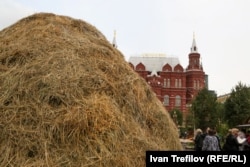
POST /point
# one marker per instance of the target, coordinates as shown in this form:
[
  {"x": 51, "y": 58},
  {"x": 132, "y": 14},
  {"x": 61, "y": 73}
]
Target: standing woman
[
  {"x": 231, "y": 143},
  {"x": 210, "y": 142},
  {"x": 198, "y": 140}
]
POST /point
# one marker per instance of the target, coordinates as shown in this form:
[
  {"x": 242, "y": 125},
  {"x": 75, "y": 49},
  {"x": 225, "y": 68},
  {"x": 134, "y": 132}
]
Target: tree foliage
[
  {"x": 237, "y": 106},
  {"x": 204, "y": 109}
]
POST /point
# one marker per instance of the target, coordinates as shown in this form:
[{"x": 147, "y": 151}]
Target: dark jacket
[
  {"x": 198, "y": 142},
  {"x": 231, "y": 143}
]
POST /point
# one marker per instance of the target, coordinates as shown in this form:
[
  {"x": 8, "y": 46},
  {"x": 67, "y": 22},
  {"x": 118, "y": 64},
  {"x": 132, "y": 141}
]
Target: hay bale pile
[{"x": 68, "y": 98}]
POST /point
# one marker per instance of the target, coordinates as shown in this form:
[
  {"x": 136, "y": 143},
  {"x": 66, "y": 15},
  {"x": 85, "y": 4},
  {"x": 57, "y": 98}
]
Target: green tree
[
  {"x": 204, "y": 109},
  {"x": 237, "y": 106},
  {"x": 190, "y": 120},
  {"x": 221, "y": 113}
]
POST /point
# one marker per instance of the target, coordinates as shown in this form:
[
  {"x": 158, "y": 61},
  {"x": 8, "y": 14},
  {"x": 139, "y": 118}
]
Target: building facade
[{"x": 174, "y": 85}]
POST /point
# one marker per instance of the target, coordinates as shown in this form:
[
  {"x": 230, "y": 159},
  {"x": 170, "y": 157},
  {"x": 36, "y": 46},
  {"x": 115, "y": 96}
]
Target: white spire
[
  {"x": 114, "y": 40},
  {"x": 194, "y": 48}
]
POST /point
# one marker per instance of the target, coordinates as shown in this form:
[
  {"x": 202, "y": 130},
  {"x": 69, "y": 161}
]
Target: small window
[
  {"x": 166, "y": 100},
  {"x": 168, "y": 84},
  {"x": 180, "y": 83},
  {"x": 177, "y": 101},
  {"x": 165, "y": 83}
]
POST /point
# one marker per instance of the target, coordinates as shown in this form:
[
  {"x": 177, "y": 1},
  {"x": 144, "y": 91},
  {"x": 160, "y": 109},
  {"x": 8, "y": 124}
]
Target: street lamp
[
  {"x": 189, "y": 105},
  {"x": 175, "y": 118}
]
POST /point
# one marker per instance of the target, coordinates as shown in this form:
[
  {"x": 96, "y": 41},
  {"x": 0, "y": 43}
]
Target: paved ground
[{"x": 188, "y": 144}]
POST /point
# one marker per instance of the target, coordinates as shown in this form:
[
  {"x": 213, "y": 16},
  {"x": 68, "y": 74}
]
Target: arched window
[
  {"x": 166, "y": 100},
  {"x": 177, "y": 100}
]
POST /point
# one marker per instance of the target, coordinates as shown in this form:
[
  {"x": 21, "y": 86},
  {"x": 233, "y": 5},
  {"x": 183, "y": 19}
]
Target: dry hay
[{"x": 68, "y": 98}]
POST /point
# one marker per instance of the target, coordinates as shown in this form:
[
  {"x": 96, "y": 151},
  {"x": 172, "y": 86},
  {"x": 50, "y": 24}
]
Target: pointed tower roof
[
  {"x": 114, "y": 40},
  {"x": 194, "y": 48}
]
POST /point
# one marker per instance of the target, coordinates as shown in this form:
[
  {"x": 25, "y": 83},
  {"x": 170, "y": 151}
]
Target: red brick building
[{"x": 174, "y": 85}]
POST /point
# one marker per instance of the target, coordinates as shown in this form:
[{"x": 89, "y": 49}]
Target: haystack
[{"x": 68, "y": 98}]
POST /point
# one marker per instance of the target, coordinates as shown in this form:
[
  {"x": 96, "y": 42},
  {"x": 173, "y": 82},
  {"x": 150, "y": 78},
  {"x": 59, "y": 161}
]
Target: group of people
[{"x": 235, "y": 140}]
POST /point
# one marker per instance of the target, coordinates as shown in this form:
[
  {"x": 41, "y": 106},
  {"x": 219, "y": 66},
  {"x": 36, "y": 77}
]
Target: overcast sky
[{"x": 221, "y": 27}]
